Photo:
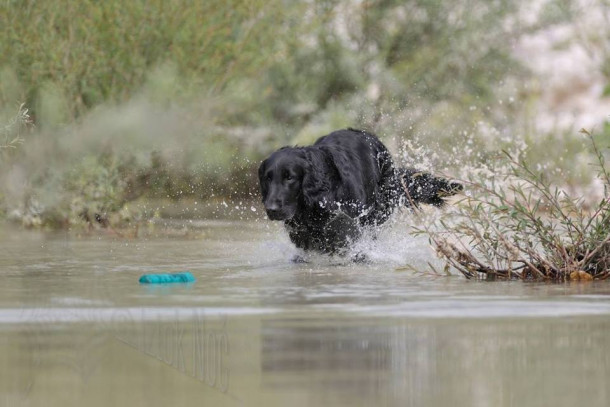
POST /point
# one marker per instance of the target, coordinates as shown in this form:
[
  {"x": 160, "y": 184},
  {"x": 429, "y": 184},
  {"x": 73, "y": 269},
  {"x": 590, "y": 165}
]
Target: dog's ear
[{"x": 316, "y": 186}]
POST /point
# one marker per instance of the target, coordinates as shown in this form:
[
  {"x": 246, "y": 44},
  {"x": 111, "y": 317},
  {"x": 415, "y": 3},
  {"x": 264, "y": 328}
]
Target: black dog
[{"x": 327, "y": 192}]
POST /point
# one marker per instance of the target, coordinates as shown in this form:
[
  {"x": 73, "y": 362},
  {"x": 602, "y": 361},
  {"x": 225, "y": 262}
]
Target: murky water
[{"x": 76, "y": 327}]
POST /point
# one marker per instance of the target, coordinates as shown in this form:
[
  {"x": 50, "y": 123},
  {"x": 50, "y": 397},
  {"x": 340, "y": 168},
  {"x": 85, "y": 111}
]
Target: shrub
[{"x": 514, "y": 224}]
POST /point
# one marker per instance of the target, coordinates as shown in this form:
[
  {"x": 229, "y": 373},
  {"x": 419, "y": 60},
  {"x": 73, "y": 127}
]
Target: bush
[{"x": 514, "y": 224}]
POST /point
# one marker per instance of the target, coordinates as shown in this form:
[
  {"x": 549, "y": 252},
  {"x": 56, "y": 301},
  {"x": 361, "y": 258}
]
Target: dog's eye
[{"x": 288, "y": 177}]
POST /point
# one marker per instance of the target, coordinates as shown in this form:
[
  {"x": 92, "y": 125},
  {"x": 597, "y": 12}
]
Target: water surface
[{"x": 76, "y": 327}]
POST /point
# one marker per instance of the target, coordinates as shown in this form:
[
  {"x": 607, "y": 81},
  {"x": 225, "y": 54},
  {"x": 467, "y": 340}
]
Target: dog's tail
[{"x": 422, "y": 187}]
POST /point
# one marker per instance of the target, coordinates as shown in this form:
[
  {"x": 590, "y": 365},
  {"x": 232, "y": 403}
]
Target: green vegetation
[
  {"x": 92, "y": 52},
  {"x": 148, "y": 100}
]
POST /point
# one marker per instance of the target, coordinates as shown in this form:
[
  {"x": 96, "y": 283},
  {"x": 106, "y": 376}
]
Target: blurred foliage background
[{"x": 133, "y": 106}]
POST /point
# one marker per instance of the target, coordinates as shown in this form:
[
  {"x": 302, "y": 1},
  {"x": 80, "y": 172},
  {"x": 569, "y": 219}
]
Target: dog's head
[
  {"x": 281, "y": 180},
  {"x": 291, "y": 180}
]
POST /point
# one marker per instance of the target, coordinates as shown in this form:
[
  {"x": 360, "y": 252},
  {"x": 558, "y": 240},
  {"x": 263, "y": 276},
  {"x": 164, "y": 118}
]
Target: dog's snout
[
  {"x": 274, "y": 210},
  {"x": 272, "y": 206}
]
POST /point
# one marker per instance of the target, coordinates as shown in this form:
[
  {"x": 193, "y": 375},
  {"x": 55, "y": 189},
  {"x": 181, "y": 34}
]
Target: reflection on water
[
  {"x": 77, "y": 329},
  {"x": 460, "y": 362}
]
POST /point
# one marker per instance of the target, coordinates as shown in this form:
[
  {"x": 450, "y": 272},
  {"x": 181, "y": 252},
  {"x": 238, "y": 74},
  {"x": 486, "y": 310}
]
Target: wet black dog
[{"x": 326, "y": 193}]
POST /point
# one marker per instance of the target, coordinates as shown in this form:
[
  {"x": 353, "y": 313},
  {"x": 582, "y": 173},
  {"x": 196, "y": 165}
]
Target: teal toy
[{"x": 165, "y": 278}]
